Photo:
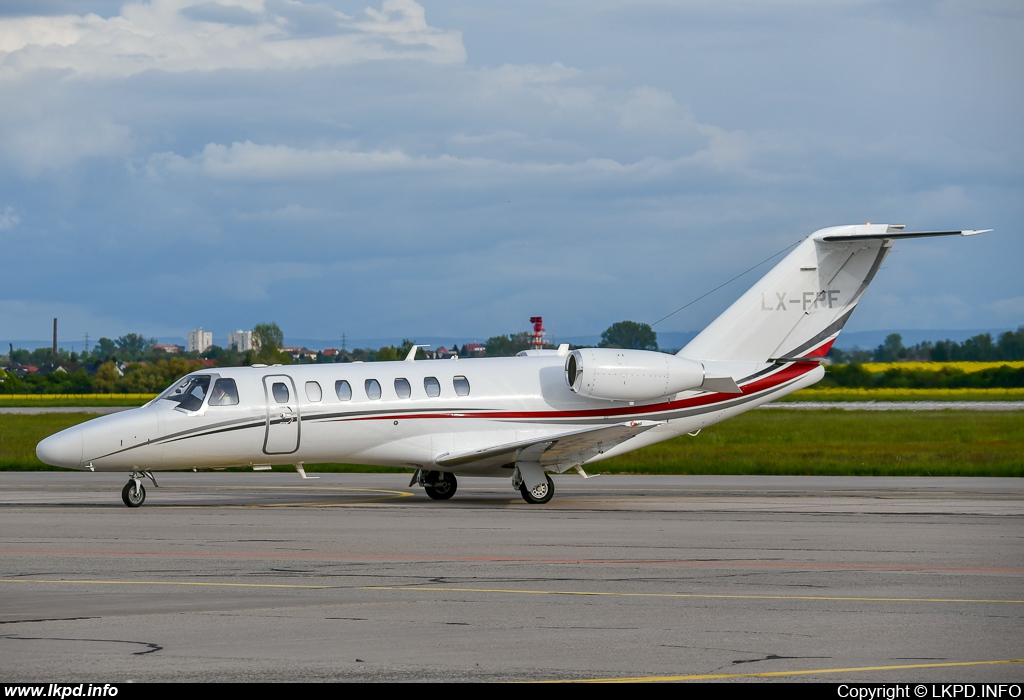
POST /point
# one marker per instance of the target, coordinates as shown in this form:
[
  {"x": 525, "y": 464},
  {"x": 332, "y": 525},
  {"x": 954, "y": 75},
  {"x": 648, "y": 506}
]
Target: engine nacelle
[{"x": 630, "y": 375}]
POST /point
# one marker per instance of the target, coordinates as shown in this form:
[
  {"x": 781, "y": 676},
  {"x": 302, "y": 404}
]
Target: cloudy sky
[{"x": 452, "y": 168}]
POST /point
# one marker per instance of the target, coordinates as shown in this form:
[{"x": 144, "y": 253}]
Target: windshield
[{"x": 189, "y": 392}]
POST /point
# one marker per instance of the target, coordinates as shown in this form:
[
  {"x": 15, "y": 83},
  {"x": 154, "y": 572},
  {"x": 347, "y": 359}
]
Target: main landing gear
[
  {"x": 134, "y": 493},
  {"x": 440, "y": 486},
  {"x": 539, "y": 494}
]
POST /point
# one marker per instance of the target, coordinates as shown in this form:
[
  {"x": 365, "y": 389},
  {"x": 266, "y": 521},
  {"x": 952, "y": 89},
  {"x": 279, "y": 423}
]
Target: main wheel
[
  {"x": 133, "y": 496},
  {"x": 440, "y": 486},
  {"x": 539, "y": 494}
]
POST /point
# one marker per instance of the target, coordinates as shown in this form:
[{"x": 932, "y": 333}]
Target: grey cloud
[{"x": 571, "y": 167}]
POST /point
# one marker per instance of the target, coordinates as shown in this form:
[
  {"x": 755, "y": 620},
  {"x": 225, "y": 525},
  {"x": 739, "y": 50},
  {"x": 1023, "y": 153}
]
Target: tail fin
[{"x": 799, "y": 307}]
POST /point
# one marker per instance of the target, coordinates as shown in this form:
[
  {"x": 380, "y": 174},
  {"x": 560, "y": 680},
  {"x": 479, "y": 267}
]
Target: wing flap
[{"x": 556, "y": 452}]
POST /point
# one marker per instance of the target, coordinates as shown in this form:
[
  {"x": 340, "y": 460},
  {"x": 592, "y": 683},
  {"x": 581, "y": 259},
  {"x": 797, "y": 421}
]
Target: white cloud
[
  {"x": 252, "y": 161},
  {"x": 189, "y": 35},
  {"x": 8, "y": 219},
  {"x": 248, "y": 161}
]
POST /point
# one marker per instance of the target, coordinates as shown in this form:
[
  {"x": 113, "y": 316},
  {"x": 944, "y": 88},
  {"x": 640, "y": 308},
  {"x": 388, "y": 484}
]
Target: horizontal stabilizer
[
  {"x": 556, "y": 452},
  {"x": 900, "y": 234}
]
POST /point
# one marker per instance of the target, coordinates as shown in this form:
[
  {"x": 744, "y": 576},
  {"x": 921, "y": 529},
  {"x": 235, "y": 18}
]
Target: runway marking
[
  {"x": 783, "y": 674},
  {"x": 612, "y": 594},
  {"x": 388, "y": 495},
  {"x": 518, "y": 592},
  {"x": 162, "y": 583},
  {"x": 519, "y": 560}
]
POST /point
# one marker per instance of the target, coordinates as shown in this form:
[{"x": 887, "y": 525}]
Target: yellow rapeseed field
[
  {"x": 47, "y": 397},
  {"x": 937, "y": 366}
]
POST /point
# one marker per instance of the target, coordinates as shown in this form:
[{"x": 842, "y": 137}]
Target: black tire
[
  {"x": 539, "y": 495},
  {"x": 133, "y": 498},
  {"x": 440, "y": 486}
]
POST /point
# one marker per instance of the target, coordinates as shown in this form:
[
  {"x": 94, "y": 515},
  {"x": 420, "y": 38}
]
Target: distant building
[
  {"x": 200, "y": 340},
  {"x": 299, "y": 354},
  {"x": 167, "y": 348},
  {"x": 241, "y": 340}
]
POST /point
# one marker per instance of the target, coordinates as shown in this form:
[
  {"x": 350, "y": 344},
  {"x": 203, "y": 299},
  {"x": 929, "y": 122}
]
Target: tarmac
[{"x": 354, "y": 577}]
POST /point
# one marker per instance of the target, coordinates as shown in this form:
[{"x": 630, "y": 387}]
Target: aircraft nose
[{"x": 63, "y": 449}]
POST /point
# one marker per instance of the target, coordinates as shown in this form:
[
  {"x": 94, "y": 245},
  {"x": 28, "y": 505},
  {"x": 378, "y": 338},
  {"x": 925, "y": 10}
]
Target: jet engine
[{"x": 630, "y": 375}]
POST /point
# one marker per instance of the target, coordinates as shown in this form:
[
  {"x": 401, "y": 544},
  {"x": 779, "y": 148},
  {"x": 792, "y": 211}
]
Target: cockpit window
[
  {"x": 189, "y": 392},
  {"x": 224, "y": 393}
]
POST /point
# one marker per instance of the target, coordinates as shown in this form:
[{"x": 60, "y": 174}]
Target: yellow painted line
[
  {"x": 783, "y": 674},
  {"x": 508, "y": 591},
  {"x": 689, "y": 595},
  {"x": 386, "y": 495},
  {"x": 160, "y": 583}
]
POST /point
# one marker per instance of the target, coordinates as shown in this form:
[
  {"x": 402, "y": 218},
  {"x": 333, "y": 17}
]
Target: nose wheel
[{"x": 134, "y": 493}]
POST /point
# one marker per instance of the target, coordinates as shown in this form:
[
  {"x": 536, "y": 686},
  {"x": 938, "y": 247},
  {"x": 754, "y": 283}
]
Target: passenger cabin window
[
  {"x": 281, "y": 394},
  {"x": 343, "y": 389},
  {"x": 403, "y": 388},
  {"x": 188, "y": 393},
  {"x": 432, "y": 386},
  {"x": 313, "y": 391},
  {"x": 461, "y": 385},
  {"x": 224, "y": 393},
  {"x": 372, "y": 389}
]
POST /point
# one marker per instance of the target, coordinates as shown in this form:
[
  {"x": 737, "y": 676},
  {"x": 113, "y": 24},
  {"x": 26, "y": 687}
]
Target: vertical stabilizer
[{"x": 799, "y": 307}]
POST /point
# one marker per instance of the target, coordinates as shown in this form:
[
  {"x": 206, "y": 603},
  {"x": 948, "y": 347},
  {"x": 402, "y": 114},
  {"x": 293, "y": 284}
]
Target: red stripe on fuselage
[{"x": 786, "y": 374}]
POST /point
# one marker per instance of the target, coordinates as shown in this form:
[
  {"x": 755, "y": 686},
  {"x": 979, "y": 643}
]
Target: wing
[{"x": 555, "y": 452}]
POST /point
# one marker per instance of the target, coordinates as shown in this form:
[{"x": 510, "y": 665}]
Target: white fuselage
[{"x": 478, "y": 403}]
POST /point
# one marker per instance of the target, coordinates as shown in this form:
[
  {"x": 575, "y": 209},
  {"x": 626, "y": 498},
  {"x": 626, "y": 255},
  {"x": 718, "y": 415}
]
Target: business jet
[{"x": 518, "y": 417}]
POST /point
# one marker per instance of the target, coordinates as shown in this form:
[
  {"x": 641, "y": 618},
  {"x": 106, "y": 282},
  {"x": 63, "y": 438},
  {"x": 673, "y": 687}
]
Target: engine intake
[{"x": 630, "y": 375}]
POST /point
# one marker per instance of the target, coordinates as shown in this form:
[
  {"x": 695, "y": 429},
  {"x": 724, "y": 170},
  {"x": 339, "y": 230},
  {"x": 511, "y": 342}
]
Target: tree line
[
  {"x": 129, "y": 364},
  {"x": 1009, "y": 347}
]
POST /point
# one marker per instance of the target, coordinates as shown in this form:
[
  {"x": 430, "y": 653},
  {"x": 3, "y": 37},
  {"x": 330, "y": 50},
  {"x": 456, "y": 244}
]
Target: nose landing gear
[{"x": 134, "y": 493}]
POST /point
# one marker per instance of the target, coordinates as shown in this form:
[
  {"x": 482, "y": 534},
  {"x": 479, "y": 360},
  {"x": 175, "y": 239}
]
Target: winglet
[{"x": 411, "y": 357}]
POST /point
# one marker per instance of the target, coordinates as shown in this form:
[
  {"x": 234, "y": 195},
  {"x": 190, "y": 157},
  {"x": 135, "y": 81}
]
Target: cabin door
[{"x": 282, "y": 415}]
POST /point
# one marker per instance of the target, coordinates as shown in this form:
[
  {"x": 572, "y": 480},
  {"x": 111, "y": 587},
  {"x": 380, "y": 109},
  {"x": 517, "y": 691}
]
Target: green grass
[
  {"x": 842, "y": 443},
  {"x": 833, "y": 442},
  {"x": 19, "y": 435},
  {"x": 72, "y": 401},
  {"x": 824, "y": 393}
]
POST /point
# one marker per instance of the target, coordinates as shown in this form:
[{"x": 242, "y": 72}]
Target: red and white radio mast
[{"x": 538, "y": 339}]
